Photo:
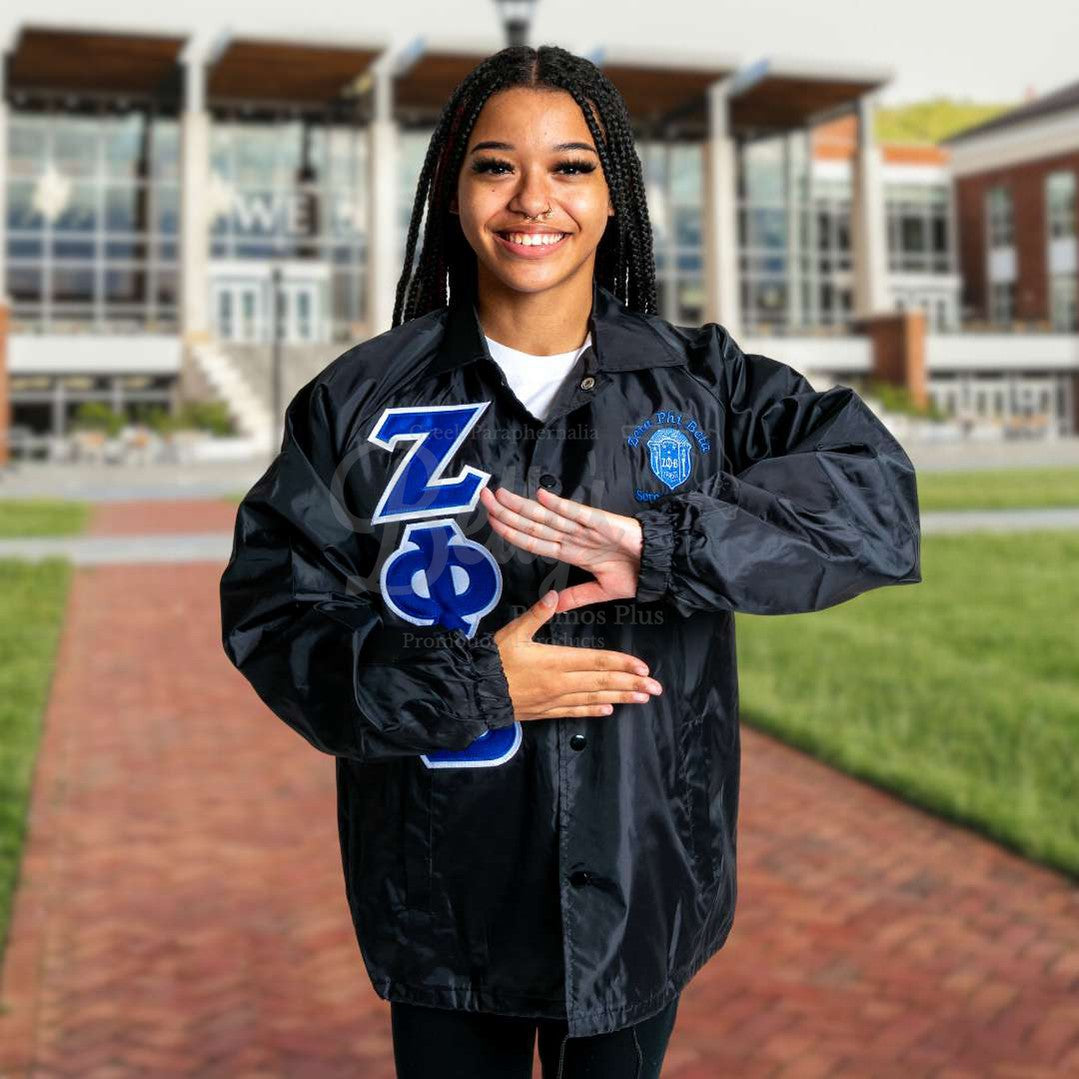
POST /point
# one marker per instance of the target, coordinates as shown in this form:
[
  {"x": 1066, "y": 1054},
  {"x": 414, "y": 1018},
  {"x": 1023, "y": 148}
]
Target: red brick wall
[
  {"x": 898, "y": 341},
  {"x": 1027, "y": 184}
]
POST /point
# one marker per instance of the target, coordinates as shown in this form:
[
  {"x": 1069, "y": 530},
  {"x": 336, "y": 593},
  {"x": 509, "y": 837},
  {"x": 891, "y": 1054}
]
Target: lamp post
[
  {"x": 278, "y": 305},
  {"x": 516, "y": 19}
]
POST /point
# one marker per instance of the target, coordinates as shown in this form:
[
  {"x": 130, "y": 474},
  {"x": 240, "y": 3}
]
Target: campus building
[
  {"x": 1016, "y": 198},
  {"x": 163, "y": 194}
]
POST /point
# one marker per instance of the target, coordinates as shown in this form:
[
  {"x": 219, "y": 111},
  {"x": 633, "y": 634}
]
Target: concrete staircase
[{"x": 247, "y": 408}]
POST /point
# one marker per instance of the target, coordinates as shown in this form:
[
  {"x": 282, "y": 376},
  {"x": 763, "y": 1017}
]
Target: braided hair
[{"x": 624, "y": 261}]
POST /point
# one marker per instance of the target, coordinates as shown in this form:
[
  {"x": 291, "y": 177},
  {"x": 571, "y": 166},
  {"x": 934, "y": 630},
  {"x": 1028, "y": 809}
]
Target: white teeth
[{"x": 526, "y": 239}]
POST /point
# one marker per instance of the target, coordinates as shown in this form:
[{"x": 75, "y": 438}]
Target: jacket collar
[{"x": 622, "y": 339}]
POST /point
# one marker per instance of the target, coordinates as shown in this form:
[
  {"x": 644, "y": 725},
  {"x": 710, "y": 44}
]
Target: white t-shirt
[{"x": 535, "y": 379}]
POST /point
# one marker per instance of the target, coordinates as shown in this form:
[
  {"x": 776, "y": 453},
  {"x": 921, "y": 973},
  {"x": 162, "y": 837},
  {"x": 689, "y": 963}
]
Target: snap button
[
  {"x": 578, "y": 741},
  {"x": 587, "y": 382},
  {"x": 580, "y": 876},
  {"x": 547, "y": 480}
]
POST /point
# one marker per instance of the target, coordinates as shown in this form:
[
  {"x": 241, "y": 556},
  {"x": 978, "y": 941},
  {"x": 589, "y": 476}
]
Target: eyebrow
[{"x": 491, "y": 144}]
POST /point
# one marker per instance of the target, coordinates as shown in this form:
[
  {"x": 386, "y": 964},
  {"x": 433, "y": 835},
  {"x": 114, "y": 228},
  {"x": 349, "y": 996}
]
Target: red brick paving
[
  {"x": 158, "y": 517},
  {"x": 182, "y": 912}
]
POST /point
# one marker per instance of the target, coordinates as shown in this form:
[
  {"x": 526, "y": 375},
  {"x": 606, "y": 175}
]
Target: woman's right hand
[{"x": 549, "y": 680}]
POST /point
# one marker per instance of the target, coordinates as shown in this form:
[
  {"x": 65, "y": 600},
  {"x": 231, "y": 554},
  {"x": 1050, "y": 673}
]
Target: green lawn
[
  {"x": 1012, "y": 488},
  {"x": 21, "y": 517},
  {"x": 960, "y": 693},
  {"x": 32, "y": 601}
]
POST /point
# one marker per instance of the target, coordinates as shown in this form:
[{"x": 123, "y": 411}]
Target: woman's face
[{"x": 530, "y": 151}]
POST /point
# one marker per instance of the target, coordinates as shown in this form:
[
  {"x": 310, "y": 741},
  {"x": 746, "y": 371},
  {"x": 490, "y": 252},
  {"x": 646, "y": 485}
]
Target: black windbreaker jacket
[{"x": 574, "y": 868}]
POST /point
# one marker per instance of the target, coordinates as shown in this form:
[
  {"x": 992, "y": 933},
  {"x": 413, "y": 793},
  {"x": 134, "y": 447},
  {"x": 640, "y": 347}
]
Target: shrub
[
  {"x": 97, "y": 416},
  {"x": 898, "y": 399}
]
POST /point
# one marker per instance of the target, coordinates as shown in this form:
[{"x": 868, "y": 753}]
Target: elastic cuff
[
  {"x": 657, "y": 548},
  {"x": 493, "y": 702}
]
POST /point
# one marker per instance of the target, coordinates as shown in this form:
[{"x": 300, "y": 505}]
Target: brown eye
[
  {"x": 491, "y": 165},
  {"x": 578, "y": 167}
]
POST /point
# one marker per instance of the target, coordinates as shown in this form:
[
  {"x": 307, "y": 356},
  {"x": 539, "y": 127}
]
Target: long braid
[{"x": 624, "y": 260}]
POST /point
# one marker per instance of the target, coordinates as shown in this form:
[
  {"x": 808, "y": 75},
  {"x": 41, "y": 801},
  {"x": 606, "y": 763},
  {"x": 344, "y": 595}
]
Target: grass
[
  {"x": 32, "y": 601},
  {"x": 1011, "y": 488},
  {"x": 25, "y": 517},
  {"x": 960, "y": 693}
]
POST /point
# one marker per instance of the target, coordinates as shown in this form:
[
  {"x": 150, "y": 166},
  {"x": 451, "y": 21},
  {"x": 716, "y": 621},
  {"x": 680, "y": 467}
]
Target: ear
[
  {"x": 610, "y": 208},
  {"x": 453, "y": 205}
]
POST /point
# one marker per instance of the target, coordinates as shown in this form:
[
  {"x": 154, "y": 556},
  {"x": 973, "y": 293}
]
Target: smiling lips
[{"x": 530, "y": 245}]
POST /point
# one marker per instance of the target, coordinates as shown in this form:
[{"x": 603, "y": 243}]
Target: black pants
[{"x": 441, "y": 1043}]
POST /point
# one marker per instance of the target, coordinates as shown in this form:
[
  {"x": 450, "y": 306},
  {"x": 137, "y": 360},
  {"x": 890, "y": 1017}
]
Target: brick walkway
[
  {"x": 156, "y": 518},
  {"x": 182, "y": 910}
]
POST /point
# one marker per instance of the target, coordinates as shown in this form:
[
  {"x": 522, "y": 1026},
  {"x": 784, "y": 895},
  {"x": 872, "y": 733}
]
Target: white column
[
  {"x": 384, "y": 262},
  {"x": 791, "y": 158},
  {"x": 871, "y": 292},
  {"x": 194, "y": 200},
  {"x": 721, "y": 285}
]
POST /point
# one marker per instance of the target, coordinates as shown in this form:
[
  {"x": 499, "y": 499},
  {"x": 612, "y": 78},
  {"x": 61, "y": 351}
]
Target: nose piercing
[{"x": 536, "y": 217}]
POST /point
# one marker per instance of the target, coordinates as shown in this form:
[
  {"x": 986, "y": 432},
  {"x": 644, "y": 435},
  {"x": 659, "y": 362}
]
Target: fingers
[
  {"x": 580, "y": 710},
  {"x": 598, "y": 703},
  {"x": 541, "y": 611},
  {"x": 577, "y": 682},
  {"x": 601, "y": 696},
  {"x": 515, "y": 508},
  {"x": 544, "y": 524},
  {"x": 578, "y": 595},
  {"x": 566, "y": 507},
  {"x": 533, "y": 544},
  {"x": 564, "y": 658}
]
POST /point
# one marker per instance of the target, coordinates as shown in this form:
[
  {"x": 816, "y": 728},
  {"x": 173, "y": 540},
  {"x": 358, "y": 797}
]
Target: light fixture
[
  {"x": 52, "y": 193},
  {"x": 516, "y": 19}
]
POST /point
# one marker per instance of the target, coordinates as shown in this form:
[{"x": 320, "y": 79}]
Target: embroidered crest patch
[{"x": 670, "y": 439}]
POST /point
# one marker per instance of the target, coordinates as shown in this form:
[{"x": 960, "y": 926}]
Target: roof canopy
[
  {"x": 96, "y": 62},
  {"x": 252, "y": 69},
  {"x": 666, "y": 92},
  {"x": 663, "y": 89},
  {"x": 427, "y": 73},
  {"x": 783, "y": 95}
]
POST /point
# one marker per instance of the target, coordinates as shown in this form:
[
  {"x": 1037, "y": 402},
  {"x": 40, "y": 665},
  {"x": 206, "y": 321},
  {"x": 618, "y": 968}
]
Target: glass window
[
  {"x": 1001, "y": 302},
  {"x": 1060, "y": 204},
  {"x": 76, "y": 145},
  {"x": 26, "y": 146},
  {"x": 293, "y": 189},
  {"x": 794, "y": 235},
  {"x": 673, "y": 187},
  {"x": 1063, "y": 299},
  {"x": 918, "y": 218},
  {"x": 999, "y": 216},
  {"x": 81, "y": 240}
]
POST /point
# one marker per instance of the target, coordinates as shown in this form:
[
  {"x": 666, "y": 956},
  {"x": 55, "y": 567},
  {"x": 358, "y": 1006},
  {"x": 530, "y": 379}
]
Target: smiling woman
[
  {"x": 538, "y": 821},
  {"x": 543, "y": 195},
  {"x": 533, "y": 205}
]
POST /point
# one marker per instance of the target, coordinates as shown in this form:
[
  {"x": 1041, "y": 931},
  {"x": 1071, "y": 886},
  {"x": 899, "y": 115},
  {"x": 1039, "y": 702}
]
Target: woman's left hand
[{"x": 608, "y": 545}]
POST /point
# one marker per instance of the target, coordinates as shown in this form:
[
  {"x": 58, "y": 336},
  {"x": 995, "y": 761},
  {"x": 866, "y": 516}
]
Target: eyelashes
[{"x": 491, "y": 164}]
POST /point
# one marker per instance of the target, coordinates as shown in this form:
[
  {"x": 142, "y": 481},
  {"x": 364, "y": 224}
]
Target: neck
[{"x": 542, "y": 323}]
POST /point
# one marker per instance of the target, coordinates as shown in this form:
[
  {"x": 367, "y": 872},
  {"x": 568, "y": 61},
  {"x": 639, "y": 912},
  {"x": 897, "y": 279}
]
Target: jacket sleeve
[
  {"x": 815, "y": 503},
  {"x": 322, "y": 652}
]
